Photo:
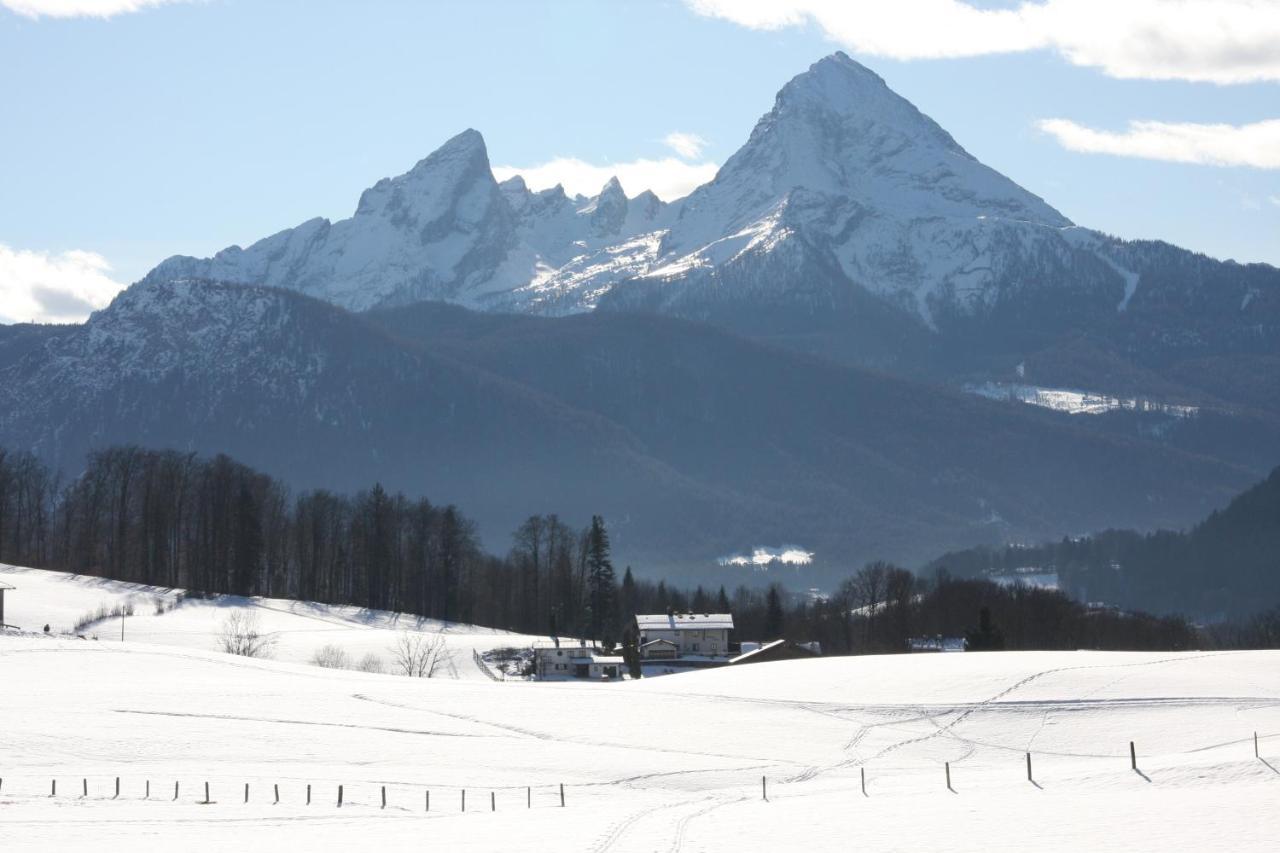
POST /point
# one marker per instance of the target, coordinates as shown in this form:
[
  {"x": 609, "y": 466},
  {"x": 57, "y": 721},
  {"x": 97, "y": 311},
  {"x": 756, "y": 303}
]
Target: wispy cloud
[
  {"x": 1274, "y": 199},
  {"x": 1256, "y": 145},
  {"x": 687, "y": 145},
  {"x": 1220, "y": 41},
  {"x": 669, "y": 178},
  {"x": 80, "y": 8},
  {"x": 44, "y": 287}
]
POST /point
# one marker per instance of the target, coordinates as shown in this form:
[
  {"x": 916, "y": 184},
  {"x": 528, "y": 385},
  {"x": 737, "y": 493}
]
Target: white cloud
[
  {"x": 1256, "y": 145},
  {"x": 1220, "y": 41},
  {"x": 1274, "y": 199},
  {"x": 44, "y": 287},
  {"x": 687, "y": 145},
  {"x": 80, "y": 8},
  {"x": 669, "y": 178}
]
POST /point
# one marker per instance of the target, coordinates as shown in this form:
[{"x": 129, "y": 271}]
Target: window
[{"x": 694, "y": 647}]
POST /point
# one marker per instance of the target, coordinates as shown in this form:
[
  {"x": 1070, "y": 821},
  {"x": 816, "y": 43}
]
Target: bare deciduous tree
[
  {"x": 240, "y": 634},
  {"x": 331, "y": 657},
  {"x": 370, "y": 663},
  {"x": 418, "y": 655}
]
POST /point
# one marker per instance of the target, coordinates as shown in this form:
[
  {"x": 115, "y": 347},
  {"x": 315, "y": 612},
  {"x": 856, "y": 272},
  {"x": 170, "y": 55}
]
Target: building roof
[
  {"x": 806, "y": 648},
  {"x": 660, "y": 641},
  {"x": 607, "y": 660},
  {"x": 4, "y": 585},
  {"x": 764, "y": 647},
  {"x": 684, "y": 621}
]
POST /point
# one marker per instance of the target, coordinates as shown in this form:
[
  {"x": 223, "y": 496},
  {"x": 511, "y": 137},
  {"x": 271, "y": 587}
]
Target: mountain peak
[
  {"x": 467, "y": 150},
  {"x": 609, "y": 209}
]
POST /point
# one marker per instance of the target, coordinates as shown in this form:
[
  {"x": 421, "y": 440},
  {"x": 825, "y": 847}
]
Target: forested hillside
[
  {"x": 214, "y": 525},
  {"x": 1224, "y": 567}
]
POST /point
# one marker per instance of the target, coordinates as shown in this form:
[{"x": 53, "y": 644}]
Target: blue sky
[{"x": 183, "y": 127}]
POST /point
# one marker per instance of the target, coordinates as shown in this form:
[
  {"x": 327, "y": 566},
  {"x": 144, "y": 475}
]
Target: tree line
[{"x": 212, "y": 525}]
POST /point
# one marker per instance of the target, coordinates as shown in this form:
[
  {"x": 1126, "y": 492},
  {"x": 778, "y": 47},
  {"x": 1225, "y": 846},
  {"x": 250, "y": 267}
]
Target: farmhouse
[
  {"x": 669, "y": 636},
  {"x": 552, "y": 661}
]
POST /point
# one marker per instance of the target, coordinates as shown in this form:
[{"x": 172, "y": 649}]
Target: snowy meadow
[{"x": 677, "y": 763}]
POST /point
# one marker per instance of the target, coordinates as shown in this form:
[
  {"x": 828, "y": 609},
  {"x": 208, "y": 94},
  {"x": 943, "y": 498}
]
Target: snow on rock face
[
  {"x": 868, "y": 181},
  {"x": 443, "y": 230},
  {"x": 435, "y": 232},
  {"x": 609, "y": 209},
  {"x": 842, "y": 175}
]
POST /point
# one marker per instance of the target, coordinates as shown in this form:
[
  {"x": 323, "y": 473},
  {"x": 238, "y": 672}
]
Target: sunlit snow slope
[
  {"x": 668, "y": 764},
  {"x": 299, "y": 628}
]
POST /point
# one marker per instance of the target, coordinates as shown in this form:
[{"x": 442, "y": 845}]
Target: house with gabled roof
[{"x": 668, "y": 636}]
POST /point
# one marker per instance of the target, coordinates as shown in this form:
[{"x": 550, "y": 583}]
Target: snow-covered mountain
[
  {"x": 849, "y": 224},
  {"x": 841, "y": 168},
  {"x": 444, "y": 230}
]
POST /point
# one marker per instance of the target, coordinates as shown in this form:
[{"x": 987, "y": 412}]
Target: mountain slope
[
  {"x": 849, "y": 225},
  {"x": 694, "y": 443},
  {"x": 317, "y": 396},
  {"x": 1226, "y": 566},
  {"x": 844, "y": 461}
]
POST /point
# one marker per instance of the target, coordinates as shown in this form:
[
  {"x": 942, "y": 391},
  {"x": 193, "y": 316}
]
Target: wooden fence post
[
  {"x": 53, "y": 788},
  {"x": 1255, "y": 745},
  {"x": 764, "y": 789},
  {"x": 175, "y": 792},
  {"x": 561, "y": 795},
  {"x": 493, "y": 801},
  {"x": 148, "y": 794},
  {"x": 1029, "y": 777},
  {"x": 246, "y": 792},
  {"x": 464, "y": 799},
  {"x": 948, "y": 765},
  {"x": 308, "y": 793},
  {"x": 117, "y": 794},
  {"x": 428, "y": 799},
  {"x": 339, "y": 796},
  {"x": 85, "y": 789},
  {"x": 206, "y": 793},
  {"x": 864, "y": 780},
  {"x": 384, "y": 796},
  {"x": 1133, "y": 757},
  {"x": 528, "y": 796},
  {"x": 277, "y": 789}
]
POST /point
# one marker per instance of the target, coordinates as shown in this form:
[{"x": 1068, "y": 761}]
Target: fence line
[
  {"x": 111, "y": 788},
  {"x": 484, "y": 667}
]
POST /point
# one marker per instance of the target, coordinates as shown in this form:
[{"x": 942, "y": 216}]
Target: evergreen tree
[
  {"x": 987, "y": 638},
  {"x": 247, "y": 547},
  {"x": 627, "y": 599},
  {"x": 722, "y": 601},
  {"x": 601, "y": 583},
  {"x": 773, "y": 622},
  {"x": 701, "y": 604}
]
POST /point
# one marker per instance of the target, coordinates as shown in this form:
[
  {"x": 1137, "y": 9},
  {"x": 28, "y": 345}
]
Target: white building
[
  {"x": 554, "y": 660},
  {"x": 668, "y": 636}
]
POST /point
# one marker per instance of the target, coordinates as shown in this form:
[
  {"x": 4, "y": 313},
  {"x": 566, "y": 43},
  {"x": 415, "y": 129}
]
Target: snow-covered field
[
  {"x": 299, "y": 629},
  {"x": 669, "y": 764}
]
